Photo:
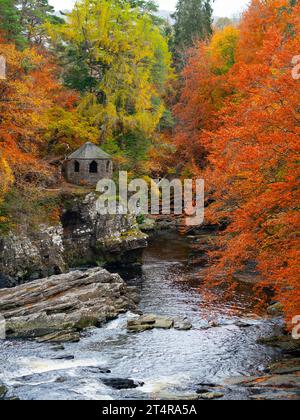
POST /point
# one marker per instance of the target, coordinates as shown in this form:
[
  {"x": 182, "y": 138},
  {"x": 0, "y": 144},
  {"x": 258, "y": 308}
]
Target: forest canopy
[{"x": 199, "y": 98}]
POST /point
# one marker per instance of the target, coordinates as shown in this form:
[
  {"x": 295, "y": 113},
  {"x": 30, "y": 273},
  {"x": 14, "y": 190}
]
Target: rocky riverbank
[
  {"x": 57, "y": 308},
  {"x": 82, "y": 237}
]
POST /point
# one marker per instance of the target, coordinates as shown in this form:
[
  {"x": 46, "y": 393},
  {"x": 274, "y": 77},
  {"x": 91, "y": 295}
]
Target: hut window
[
  {"x": 94, "y": 167},
  {"x": 76, "y": 166}
]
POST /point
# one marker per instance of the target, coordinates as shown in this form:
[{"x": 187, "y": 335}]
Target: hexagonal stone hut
[{"x": 87, "y": 165}]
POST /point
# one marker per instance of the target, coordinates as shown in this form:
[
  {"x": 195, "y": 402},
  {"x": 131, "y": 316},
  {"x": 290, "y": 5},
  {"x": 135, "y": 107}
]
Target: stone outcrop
[
  {"x": 24, "y": 257},
  {"x": 281, "y": 383},
  {"x": 150, "y": 322},
  {"x": 83, "y": 237},
  {"x": 55, "y": 309},
  {"x": 90, "y": 237}
]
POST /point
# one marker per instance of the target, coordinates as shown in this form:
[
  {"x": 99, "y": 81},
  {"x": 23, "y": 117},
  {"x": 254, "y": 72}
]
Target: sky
[{"x": 221, "y": 7}]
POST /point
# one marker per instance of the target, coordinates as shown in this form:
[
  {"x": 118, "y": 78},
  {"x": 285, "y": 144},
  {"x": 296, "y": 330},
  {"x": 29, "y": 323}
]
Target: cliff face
[
  {"x": 90, "y": 237},
  {"x": 82, "y": 237}
]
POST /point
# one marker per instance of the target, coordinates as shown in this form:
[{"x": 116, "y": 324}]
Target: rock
[
  {"x": 91, "y": 238},
  {"x": 118, "y": 383},
  {"x": 277, "y": 381},
  {"x": 139, "y": 328},
  {"x": 26, "y": 257},
  {"x": 240, "y": 380},
  {"x": 58, "y": 348},
  {"x": 283, "y": 342},
  {"x": 212, "y": 396},
  {"x": 60, "y": 337},
  {"x": 214, "y": 324},
  {"x": 167, "y": 222},
  {"x": 210, "y": 325},
  {"x": 141, "y": 324},
  {"x": 285, "y": 367},
  {"x": 202, "y": 391},
  {"x": 57, "y": 308},
  {"x": 149, "y": 322},
  {"x": 67, "y": 357},
  {"x": 183, "y": 324},
  {"x": 274, "y": 381},
  {"x": 61, "y": 380},
  {"x": 81, "y": 237},
  {"x": 96, "y": 369},
  {"x": 3, "y": 391},
  {"x": 242, "y": 324},
  {"x": 164, "y": 323},
  {"x": 148, "y": 225},
  {"x": 208, "y": 385},
  {"x": 276, "y": 396},
  {"x": 275, "y": 310}
]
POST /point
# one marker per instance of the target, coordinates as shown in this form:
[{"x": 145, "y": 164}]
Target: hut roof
[{"x": 89, "y": 151}]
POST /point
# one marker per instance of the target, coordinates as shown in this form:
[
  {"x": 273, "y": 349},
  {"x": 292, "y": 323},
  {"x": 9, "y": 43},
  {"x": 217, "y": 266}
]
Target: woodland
[{"x": 192, "y": 97}]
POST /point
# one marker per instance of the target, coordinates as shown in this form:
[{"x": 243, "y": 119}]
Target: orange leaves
[
  {"x": 27, "y": 99},
  {"x": 249, "y": 124}
]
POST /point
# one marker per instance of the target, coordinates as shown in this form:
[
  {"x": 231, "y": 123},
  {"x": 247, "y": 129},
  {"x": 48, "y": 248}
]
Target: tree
[
  {"x": 21, "y": 21},
  {"x": 222, "y": 22},
  {"x": 120, "y": 67},
  {"x": 38, "y": 118},
  {"x": 146, "y": 6},
  {"x": 10, "y": 27},
  {"x": 205, "y": 87},
  {"x": 33, "y": 15},
  {"x": 244, "y": 113},
  {"x": 193, "y": 22},
  {"x": 222, "y": 49}
]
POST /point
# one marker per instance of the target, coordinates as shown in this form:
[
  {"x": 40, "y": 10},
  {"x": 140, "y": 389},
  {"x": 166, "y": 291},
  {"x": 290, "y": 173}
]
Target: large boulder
[{"x": 54, "y": 308}]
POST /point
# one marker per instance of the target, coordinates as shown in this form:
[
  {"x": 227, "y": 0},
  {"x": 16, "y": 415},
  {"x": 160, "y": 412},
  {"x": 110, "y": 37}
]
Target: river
[{"x": 170, "y": 363}]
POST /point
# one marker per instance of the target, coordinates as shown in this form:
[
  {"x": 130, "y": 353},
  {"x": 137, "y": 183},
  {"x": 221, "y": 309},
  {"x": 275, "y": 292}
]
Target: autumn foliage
[
  {"x": 239, "y": 127},
  {"x": 103, "y": 74}
]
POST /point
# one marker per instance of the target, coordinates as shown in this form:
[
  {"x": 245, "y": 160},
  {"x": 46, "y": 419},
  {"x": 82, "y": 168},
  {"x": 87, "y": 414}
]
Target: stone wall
[{"x": 105, "y": 170}]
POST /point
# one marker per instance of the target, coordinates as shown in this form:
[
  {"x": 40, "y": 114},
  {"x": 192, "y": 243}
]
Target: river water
[{"x": 170, "y": 363}]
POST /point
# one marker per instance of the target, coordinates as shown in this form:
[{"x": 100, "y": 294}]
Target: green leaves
[
  {"x": 193, "y": 22},
  {"x": 10, "y": 26}
]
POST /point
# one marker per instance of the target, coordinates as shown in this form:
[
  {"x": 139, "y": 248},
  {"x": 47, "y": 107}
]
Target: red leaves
[{"x": 249, "y": 123}]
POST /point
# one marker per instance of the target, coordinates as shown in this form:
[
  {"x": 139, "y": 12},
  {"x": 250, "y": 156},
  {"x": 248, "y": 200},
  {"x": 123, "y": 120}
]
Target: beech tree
[{"x": 240, "y": 106}]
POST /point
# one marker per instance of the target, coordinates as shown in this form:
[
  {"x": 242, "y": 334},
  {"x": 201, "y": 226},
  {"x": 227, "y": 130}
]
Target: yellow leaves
[
  {"x": 6, "y": 177},
  {"x": 126, "y": 58},
  {"x": 222, "y": 48}
]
